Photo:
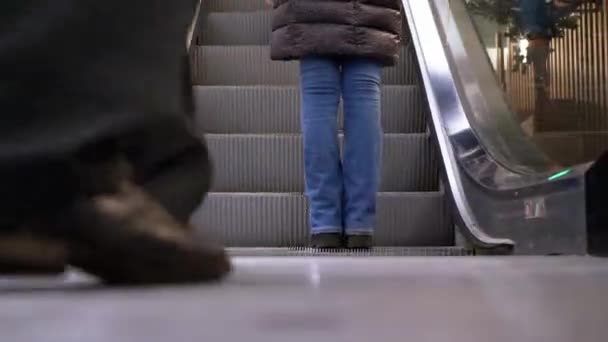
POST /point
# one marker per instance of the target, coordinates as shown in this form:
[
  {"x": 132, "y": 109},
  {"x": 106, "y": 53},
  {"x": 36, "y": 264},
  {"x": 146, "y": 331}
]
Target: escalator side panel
[
  {"x": 496, "y": 207},
  {"x": 443, "y": 99}
]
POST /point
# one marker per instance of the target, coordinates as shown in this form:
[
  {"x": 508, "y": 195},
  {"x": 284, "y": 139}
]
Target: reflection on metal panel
[
  {"x": 565, "y": 106},
  {"x": 495, "y": 174}
]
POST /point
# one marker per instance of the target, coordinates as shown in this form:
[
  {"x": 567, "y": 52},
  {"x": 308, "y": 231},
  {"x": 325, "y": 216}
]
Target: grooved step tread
[
  {"x": 236, "y": 28},
  {"x": 276, "y": 109},
  {"x": 239, "y": 28},
  {"x": 373, "y": 252},
  {"x": 233, "y": 5},
  {"x": 280, "y": 220},
  {"x": 251, "y": 65},
  {"x": 274, "y": 163}
]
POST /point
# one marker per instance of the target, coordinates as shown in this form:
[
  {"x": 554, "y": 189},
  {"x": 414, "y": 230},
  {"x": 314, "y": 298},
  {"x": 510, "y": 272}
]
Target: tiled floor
[{"x": 560, "y": 299}]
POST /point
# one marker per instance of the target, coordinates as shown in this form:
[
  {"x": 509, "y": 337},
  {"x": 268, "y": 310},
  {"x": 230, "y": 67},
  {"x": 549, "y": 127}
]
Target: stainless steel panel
[{"x": 495, "y": 195}]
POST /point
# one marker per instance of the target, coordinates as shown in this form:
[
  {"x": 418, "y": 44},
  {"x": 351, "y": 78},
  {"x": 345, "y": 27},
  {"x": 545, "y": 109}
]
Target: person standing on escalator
[{"x": 342, "y": 47}]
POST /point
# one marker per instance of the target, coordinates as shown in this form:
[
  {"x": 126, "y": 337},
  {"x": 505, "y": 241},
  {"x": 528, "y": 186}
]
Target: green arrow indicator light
[{"x": 559, "y": 174}]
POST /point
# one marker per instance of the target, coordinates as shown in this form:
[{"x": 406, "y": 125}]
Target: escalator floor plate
[
  {"x": 374, "y": 252},
  {"x": 266, "y": 299}
]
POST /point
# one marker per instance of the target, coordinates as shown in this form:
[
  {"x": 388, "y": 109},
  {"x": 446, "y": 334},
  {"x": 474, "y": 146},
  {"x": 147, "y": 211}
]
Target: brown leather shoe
[
  {"x": 128, "y": 238},
  {"x": 23, "y": 253}
]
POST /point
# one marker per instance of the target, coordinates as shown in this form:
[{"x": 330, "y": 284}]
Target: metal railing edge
[{"x": 416, "y": 13}]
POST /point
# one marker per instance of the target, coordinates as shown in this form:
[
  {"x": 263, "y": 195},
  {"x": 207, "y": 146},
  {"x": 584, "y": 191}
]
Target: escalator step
[
  {"x": 274, "y": 163},
  {"x": 251, "y": 65},
  {"x": 267, "y": 109},
  {"x": 248, "y": 111},
  {"x": 240, "y": 28},
  {"x": 234, "y": 5},
  {"x": 236, "y": 28},
  {"x": 280, "y": 220},
  {"x": 374, "y": 252}
]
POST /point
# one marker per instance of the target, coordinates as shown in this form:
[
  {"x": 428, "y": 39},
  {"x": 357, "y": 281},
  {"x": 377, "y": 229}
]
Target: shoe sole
[{"x": 25, "y": 254}]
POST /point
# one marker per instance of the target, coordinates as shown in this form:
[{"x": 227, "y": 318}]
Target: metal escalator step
[
  {"x": 251, "y": 65},
  {"x": 268, "y": 109},
  {"x": 280, "y": 220},
  {"x": 234, "y": 5},
  {"x": 244, "y": 28},
  {"x": 374, "y": 252},
  {"x": 236, "y": 28},
  {"x": 274, "y": 163}
]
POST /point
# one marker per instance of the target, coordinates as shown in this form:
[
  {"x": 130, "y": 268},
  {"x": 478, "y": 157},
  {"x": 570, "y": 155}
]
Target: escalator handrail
[
  {"x": 489, "y": 113},
  {"x": 479, "y": 120},
  {"x": 444, "y": 102},
  {"x": 193, "y": 27}
]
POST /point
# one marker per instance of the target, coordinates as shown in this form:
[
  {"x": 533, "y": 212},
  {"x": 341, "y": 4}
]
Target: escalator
[
  {"x": 248, "y": 112},
  {"x": 460, "y": 176},
  {"x": 514, "y": 187}
]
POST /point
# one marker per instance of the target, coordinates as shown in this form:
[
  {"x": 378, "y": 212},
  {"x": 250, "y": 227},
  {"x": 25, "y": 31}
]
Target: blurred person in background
[{"x": 98, "y": 167}]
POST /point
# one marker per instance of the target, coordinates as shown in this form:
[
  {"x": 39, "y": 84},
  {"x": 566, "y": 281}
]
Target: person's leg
[
  {"x": 170, "y": 162},
  {"x": 172, "y": 165},
  {"x": 66, "y": 112},
  {"x": 180, "y": 182},
  {"x": 320, "y": 81},
  {"x": 362, "y": 147}
]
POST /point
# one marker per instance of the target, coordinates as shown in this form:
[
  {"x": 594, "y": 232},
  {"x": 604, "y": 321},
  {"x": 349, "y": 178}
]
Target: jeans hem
[
  {"x": 360, "y": 231},
  {"x": 326, "y": 230}
]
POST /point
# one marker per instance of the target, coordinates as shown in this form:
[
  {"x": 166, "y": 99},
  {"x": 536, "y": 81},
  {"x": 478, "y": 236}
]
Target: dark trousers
[{"x": 85, "y": 81}]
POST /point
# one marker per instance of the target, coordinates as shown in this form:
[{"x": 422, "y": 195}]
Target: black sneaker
[
  {"x": 326, "y": 240},
  {"x": 359, "y": 241}
]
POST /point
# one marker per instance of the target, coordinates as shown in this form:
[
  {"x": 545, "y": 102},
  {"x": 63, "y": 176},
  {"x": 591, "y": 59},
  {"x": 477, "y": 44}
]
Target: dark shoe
[
  {"x": 127, "y": 238},
  {"x": 359, "y": 241},
  {"x": 330, "y": 240},
  {"x": 23, "y": 253}
]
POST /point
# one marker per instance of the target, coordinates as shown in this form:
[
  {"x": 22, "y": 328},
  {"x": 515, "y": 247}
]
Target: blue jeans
[{"x": 341, "y": 194}]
